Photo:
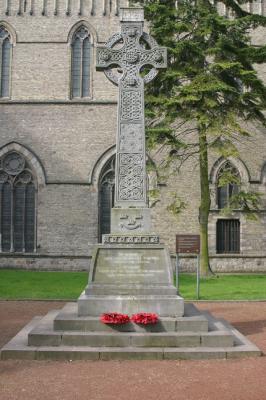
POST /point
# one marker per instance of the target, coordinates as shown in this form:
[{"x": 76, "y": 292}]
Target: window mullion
[
  {"x": 1, "y": 211},
  {"x": 81, "y": 68},
  {"x": 1, "y": 66},
  {"x": 80, "y": 7},
  {"x": 35, "y": 220},
  {"x": 23, "y": 218},
  {"x": 20, "y": 7},
  {"x": 12, "y": 219}
]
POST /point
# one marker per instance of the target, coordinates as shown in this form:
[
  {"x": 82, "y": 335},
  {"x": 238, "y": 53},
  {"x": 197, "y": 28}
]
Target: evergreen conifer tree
[{"x": 210, "y": 83}]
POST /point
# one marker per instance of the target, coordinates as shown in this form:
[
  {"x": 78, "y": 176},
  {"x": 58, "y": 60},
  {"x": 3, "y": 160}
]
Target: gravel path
[{"x": 129, "y": 380}]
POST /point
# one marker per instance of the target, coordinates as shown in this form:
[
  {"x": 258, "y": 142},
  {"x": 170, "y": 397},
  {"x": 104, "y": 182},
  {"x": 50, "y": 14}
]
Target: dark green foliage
[
  {"x": 210, "y": 77},
  {"x": 210, "y": 84}
]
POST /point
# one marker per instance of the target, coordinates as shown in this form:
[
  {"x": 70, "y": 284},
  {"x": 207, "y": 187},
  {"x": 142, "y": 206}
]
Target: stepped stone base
[{"x": 63, "y": 335}]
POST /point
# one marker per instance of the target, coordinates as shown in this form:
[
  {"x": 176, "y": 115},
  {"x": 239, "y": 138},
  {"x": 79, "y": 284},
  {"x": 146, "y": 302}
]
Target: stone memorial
[{"x": 131, "y": 272}]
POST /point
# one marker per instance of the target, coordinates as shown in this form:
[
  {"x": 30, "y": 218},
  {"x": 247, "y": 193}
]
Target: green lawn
[
  {"x": 18, "y": 284},
  {"x": 225, "y": 287}
]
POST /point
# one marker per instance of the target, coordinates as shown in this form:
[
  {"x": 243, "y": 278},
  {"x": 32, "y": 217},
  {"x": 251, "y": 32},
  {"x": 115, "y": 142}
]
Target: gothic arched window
[
  {"x": 106, "y": 197},
  {"x": 5, "y": 62},
  {"x": 227, "y": 184},
  {"x": 81, "y": 63},
  {"x": 263, "y": 174},
  {"x": 18, "y": 209}
]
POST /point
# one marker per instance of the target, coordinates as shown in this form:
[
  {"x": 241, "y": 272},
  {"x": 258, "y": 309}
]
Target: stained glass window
[
  {"x": 18, "y": 210},
  {"x": 81, "y": 63},
  {"x": 5, "y": 62},
  {"x": 228, "y": 184}
]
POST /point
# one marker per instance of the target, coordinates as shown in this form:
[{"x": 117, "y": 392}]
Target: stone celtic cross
[{"x": 130, "y": 51}]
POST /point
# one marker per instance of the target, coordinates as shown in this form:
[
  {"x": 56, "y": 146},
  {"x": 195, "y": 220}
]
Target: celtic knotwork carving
[
  {"x": 104, "y": 55},
  {"x": 116, "y": 38},
  {"x": 158, "y": 57},
  {"x": 13, "y": 163},
  {"x": 131, "y": 138},
  {"x": 130, "y": 52},
  {"x": 132, "y": 57},
  {"x": 131, "y": 105},
  {"x": 150, "y": 76},
  {"x": 111, "y": 76},
  {"x": 131, "y": 31},
  {"x": 131, "y": 177},
  {"x": 130, "y": 78},
  {"x": 149, "y": 40}
]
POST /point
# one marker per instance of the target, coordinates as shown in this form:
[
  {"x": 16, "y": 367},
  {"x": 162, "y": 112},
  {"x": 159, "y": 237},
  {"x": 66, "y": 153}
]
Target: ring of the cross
[{"x": 132, "y": 57}]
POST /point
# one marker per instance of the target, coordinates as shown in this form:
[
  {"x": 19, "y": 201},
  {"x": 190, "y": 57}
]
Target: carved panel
[
  {"x": 139, "y": 239},
  {"x": 131, "y": 223},
  {"x": 131, "y": 138},
  {"x": 131, "y": 105},
  {"x": 131, "y": 177}
]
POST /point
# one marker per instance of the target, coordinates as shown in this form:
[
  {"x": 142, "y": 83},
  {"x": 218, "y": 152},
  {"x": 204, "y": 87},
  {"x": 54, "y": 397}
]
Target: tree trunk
[{"x": 205, "y": 202}]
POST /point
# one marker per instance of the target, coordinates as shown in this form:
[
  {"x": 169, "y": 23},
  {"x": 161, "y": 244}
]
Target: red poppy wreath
[
  {"x": 144, "y": 318},
  {"x": 114, "y": 318}
]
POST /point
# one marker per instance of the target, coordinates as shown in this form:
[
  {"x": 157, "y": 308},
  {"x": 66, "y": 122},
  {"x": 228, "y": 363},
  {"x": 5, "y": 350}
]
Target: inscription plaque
[
  {"x": 131, "y": 266},
  {"x": 187, "y": 244}
]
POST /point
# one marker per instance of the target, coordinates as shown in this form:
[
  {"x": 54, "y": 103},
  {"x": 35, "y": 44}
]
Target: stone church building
[{"x": 57, "y": 146}]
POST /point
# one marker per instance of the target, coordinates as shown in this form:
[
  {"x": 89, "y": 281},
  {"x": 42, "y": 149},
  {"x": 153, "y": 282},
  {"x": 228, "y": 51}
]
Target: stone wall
[
  {"x": 225, "y": 264},
  {"x": 68, "y": 137},
  {"x": 68, "y": 142}
]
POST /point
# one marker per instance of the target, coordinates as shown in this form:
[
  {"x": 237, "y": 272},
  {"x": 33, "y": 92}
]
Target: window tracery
[
  {"x": 106, "y": 197},
  {"x": 228, "y": 182},
  {"x": 5, "y": 62},
  {"x": 81, "y": 63},
  {"x": 18, "y": 204}
]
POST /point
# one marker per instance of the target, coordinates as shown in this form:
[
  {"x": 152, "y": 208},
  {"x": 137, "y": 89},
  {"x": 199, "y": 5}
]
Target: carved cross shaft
[{"x": 137, "y": 51}]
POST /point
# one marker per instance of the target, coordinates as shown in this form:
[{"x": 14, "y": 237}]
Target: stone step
[
  {"x": 108, "y": 290},
  {"x": 44, "y": 335},
  {"x": 67, "y": 320},
  {"x": 108, "y": 353},
  {"x": 18, "y": 347},
  {"x": 130, "y": 339}
]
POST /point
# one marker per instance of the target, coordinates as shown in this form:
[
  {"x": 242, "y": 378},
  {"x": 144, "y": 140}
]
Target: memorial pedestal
[{"x": 130, "y": 279}]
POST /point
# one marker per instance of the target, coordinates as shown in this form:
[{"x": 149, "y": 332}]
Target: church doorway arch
[{"x": 106, "y": 197}]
